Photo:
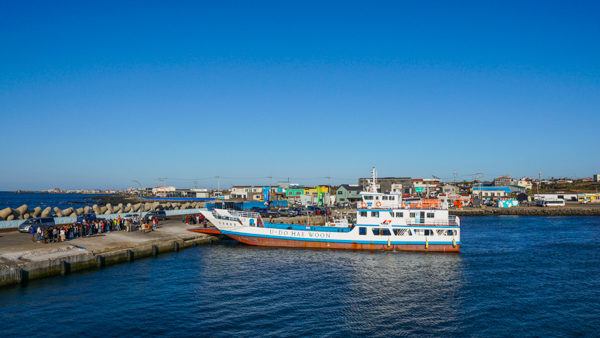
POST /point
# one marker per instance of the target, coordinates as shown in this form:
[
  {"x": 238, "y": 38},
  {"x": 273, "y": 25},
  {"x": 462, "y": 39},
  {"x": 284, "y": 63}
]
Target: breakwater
[
  {"x": 22, "y": 260},
  {"x": 24, "y": 212}
]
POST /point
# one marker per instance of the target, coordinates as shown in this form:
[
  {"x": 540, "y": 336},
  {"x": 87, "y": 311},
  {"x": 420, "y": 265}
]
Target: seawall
[
  {"x": 569, "y": 210},
  {"x": 22, "y": 260}
]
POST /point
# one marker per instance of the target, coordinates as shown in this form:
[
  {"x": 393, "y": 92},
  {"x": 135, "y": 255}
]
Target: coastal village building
[
  {"x": 200, "y": 193},
  {"x": 384, "y": 184},
  {"x": 555, "y": 197},
  {"x": 425, "y": 185},
  {"x": 490, "y": 191},
  {"x": 294, "y": 193},
  {"x": 245, "y": 191},
  {"x": 589, "y": 198},
  {"x": 596, "y": 178},
  {"x": 396, "y": 188},
  {"x": 449, "y": 189},
  {"x": 525, "y": 183},
  {"x": 503, "y": 181},
  {"x": 164, "y": 191},
  {"x": 346, "y": 193}
]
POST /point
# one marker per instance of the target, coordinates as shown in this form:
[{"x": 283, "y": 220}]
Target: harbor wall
[
  {"x": 21, "y": 271},
  {"x": 579, "y": 210}
]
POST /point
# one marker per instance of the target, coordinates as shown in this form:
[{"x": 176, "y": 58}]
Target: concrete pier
[{"x": 22, "y": 260}]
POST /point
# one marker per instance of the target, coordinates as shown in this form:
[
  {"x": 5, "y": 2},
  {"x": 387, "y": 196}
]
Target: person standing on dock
[{"x": 154, "y": 223}]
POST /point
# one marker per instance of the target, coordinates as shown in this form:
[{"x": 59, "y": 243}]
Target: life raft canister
[{"x": 378, "y": 204}]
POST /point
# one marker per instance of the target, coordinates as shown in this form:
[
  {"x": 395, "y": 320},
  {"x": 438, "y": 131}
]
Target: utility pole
[
  {"x": 218, "y": 183},
  {"x": 141, "y": 187}
]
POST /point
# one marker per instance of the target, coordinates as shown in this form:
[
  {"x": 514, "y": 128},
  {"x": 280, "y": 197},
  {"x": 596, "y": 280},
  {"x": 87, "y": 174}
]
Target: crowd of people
[
  {"x": 194, "y": 219},
  {"x": 87, "y": 228}
]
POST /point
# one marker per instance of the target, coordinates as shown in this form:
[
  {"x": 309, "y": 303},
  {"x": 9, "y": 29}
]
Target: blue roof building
[{"x": 496, "y": 191}]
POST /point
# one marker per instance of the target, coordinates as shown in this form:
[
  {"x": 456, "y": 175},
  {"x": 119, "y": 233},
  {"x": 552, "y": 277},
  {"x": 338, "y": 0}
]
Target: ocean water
[
  {"x": 42, "y": 200},
  {"x": 515, "y": 276}
]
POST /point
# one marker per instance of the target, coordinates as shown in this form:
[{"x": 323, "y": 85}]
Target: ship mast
[{"x": 373, "y": 186}]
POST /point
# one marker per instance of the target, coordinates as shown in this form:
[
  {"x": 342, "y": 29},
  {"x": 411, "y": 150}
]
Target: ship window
[
  {"x": 451, "y": 232},
  {"x": 400, "y": 214},
  {"x": 362, "y": 231},
  {"x": 381, "y": 232},
  {"x": 400, "y": 232},
  {"x": 374, "y": 213},
  {"x": 428, "y": 232},
  {"x": 385, "y": 198},
  {"x": 392, "y": 198},
  {"x": 430, "y": 215},
  {"x": 412, "y": 215},
  {"x": 368, "y": 197},
  {"x": 363, "y": 214}
]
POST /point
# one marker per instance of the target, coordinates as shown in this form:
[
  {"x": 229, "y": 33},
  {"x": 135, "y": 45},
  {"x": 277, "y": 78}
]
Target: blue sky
[{"x": 100, "y": 94}]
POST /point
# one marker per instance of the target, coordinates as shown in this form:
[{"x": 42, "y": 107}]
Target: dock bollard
[
  {"x": 100, "y": 261},
  {"x": 130, "y": 255},
  {"x": 176, "y": 246},
  {"x": 65, "y": 268},
  {"x": 154, "y": 250}
]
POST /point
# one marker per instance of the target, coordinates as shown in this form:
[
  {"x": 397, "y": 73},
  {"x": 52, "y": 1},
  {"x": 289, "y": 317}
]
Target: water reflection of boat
[{"x": 383, "y": 222}]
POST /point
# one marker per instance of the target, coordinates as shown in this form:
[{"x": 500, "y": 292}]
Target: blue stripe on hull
[{"x": 385, "y": 242}]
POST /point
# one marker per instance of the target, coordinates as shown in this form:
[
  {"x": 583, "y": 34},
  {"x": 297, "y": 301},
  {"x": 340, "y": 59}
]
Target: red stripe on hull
[
  {"x": 274, "y": 242},
  {"x": 207, "y": 231}
]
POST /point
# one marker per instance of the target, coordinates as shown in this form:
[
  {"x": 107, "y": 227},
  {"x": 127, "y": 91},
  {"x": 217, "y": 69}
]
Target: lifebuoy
[
  {"x": 378, "y": 204},
  {"x": 363, "y": 204}
]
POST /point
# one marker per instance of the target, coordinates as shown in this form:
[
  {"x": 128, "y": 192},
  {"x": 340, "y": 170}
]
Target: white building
[
  {"x": 200, "y": 193},
  {"x": 163, "y": 191},
  {"x": 245, "y": 192},
  {"x": 525, "y": 183},
  {"x": 425, "y": 185},
  {"x": 450, "y": 189},
  {"x": 556, "y": 197},
  {"x": 396, "y": 188}
]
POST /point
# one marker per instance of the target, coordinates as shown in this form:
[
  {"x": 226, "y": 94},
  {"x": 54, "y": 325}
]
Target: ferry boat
[{"x": 383, "y": 222}]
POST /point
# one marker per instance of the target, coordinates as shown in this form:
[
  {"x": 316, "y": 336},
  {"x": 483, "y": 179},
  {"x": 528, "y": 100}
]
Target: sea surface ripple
[{"x": 525, "y": 276}]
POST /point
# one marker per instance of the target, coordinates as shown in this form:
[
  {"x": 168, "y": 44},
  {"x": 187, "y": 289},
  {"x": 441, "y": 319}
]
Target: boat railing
[
  {"x": 245, "y": 214},
  {"x": 452, "y": 221}
]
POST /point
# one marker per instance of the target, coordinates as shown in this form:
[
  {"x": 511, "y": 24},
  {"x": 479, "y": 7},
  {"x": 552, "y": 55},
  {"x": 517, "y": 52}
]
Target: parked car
[
  {"x": 316, "y": 210},
  {"x": 35, "y": 223},
  {"x": 288, "y": 212},
  {"x": 160, "y": 214}
]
